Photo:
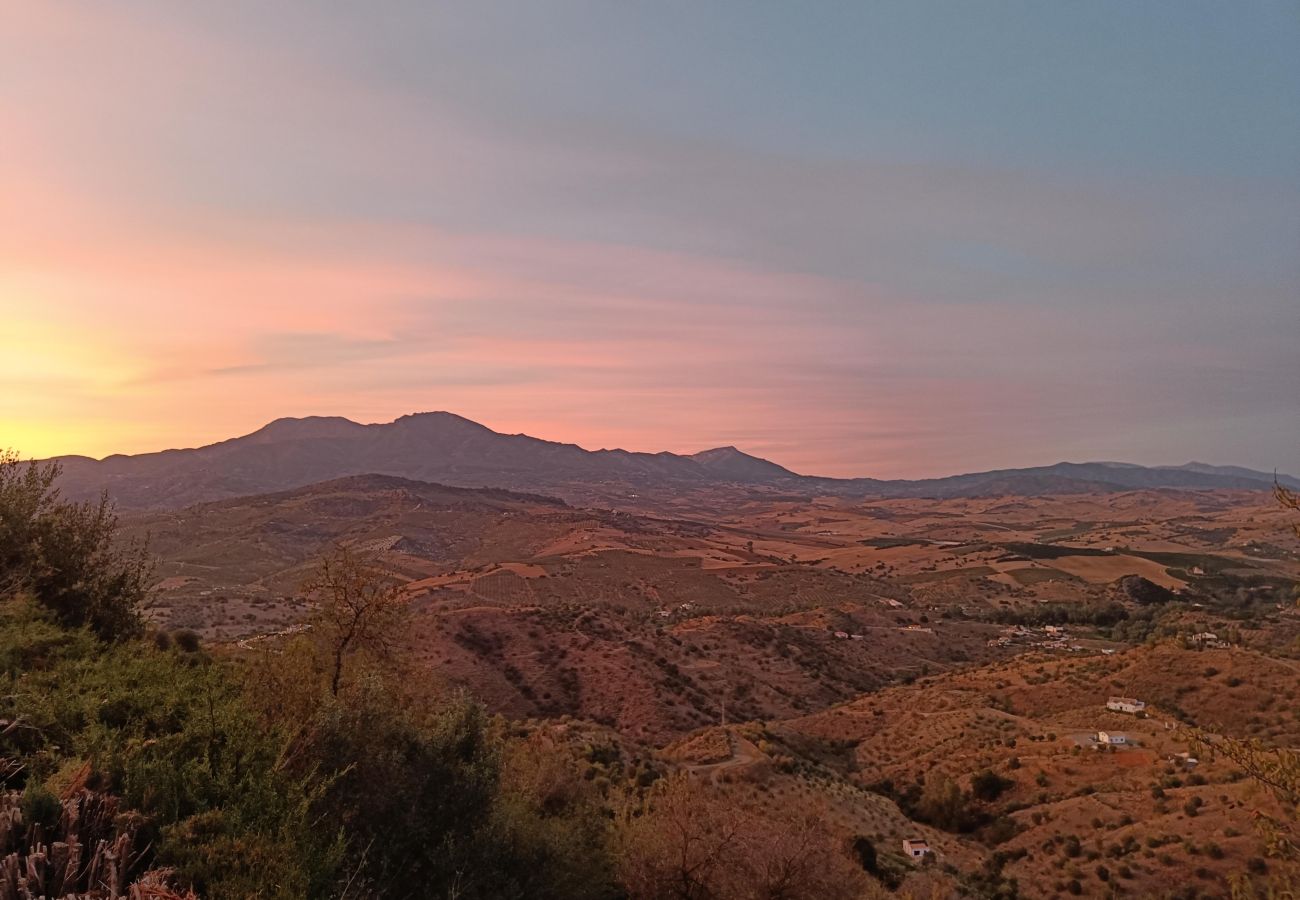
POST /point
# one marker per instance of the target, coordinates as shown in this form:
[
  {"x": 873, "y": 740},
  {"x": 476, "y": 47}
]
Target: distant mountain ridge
[{"x": 449, "y": 449}]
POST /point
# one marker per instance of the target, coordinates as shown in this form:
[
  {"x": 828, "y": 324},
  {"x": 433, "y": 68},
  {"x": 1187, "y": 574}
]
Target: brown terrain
[{"x": 847, "y": 655}]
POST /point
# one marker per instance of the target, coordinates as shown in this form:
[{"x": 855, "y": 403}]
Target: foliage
[
  {"x": 66, "y": 555},
  {"x": 431, "y": 797},
  {"x": 360, "y": 610},
  {"x": 1098, "y": 614},
  {"x": 691, "y": 842},
  {"x": 989, "y": 785},
  {"x": 1277, "y": 770},
  {"x": 169, "y": 735}
]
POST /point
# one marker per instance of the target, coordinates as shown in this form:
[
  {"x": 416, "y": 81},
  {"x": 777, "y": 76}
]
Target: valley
[{"x": 843, "y": 657}]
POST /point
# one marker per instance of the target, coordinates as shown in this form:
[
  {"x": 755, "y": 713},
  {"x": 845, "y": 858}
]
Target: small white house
[
  {"x": 842, "y": 635},
  {"x": 1126, "y": 705},
  {"x": 915, "y": 848},
  {"x": 1111, "y": 738}
]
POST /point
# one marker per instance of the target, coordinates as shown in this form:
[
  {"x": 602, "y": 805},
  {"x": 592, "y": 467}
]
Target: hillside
[
  {"x": 886, "y": 668},
  {"x": 1066, "y": 809}
]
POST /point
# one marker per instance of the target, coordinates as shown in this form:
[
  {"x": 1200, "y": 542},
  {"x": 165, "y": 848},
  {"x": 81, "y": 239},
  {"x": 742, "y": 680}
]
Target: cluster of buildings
[
  {"x": 1049, "y": 637},
  {"x": 845, "y": 636},
  {"x": 1208, "y": 640},
  {"x": 665, "y": 613},
  {"x": 1130, "y": 705}
]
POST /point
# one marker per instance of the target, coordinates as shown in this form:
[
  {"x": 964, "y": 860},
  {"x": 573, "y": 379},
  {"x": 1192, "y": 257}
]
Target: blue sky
[{"x": 861, "y": 238}]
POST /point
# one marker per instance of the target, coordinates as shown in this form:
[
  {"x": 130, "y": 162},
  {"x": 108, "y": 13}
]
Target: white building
[
  {"x": 916, "y": 848},
  {"x": 1110, "y": 737},
  {"x": 1126, "y": 705}
]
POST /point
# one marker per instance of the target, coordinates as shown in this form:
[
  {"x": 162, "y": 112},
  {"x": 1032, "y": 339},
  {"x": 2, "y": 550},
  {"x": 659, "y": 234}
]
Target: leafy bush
[
  {"x": 989, "y": 785},
  {"x": 67, "y": 555},
  {"x": 174, "y": 741}
]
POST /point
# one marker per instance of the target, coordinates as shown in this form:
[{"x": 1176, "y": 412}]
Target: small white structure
[
  {"x": 842, "y": 635},
  {"x": 857, "y": 637},
  {"x": 916, "y": 848},
  {"x": 1111, "y": 738},
  {"x": 1126, "y": 705}
]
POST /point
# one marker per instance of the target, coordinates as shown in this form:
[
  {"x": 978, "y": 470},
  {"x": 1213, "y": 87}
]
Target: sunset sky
[{"x": 863, "y": 238}]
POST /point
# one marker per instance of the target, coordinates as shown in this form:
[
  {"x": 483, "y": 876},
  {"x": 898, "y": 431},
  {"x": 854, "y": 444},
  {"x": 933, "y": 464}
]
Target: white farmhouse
[
  {"x": 916, "y": 848},
  {"x": 1126, "y": 705},
  {"x": 1111, "y": 738}
]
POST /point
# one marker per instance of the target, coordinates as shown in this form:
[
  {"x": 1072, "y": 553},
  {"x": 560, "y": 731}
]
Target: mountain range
[{"x": 449, "y": 449}]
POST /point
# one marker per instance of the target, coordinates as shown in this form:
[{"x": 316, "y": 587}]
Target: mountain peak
[
  {"x": 305, "y": 428},
  {"x": 737, "y": 465},
  {"x": 719, "y": 452},
  {"x": 438, "y": 419}
]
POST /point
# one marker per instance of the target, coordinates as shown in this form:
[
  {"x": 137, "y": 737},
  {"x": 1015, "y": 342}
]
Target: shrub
[
  {"x": 40, "y": 807},
  {"x": 988, "y": 785},
  {"x": 68, "y": 555},
  {"x": 187, "y": 641}
]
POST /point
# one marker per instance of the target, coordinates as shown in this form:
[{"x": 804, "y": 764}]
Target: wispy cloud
[{"x": 350, "y": 219}]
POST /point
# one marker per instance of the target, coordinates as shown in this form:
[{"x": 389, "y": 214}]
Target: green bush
[
  {"x": 989, "y": 785},
  {"x": 40, "y": 807},
  {"x": 174, "y": 741},
  {"x": 68, "y": 555}
]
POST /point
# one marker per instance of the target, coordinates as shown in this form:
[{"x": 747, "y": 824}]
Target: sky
[{"x": 892, "y": 239}]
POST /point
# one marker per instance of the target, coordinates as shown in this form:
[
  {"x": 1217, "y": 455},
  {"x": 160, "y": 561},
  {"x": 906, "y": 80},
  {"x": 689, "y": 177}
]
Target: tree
[
  {"x": 68, "y": 556},
  {"x": 1277, "y": 769},
  {"x": 866, "y": 853},
  {"x": 989, "y": 785},
  {"x": 692, "y": 842},
  {"x": 360, "y": 610},
  {"x": 1287, "y": 499},
  {"x": 942, "y": 803}
]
